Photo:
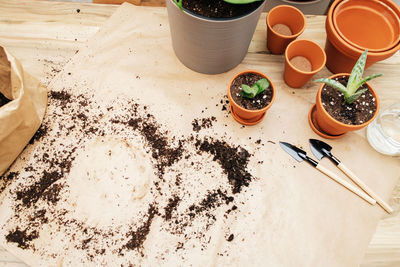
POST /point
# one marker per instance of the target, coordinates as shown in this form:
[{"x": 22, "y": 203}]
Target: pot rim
[
  {"x": 348, "y": 49},
  {"x": 251, "y": 111},
  {"x": 286, "y": 36},
  {"x": 354, "y": 127},
  {"x": 217, "y": 20},
  {"x": 388, "y": 8},
  {"x": 301, "y": 71}
]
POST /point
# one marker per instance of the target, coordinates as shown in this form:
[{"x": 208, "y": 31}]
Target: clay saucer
[
  {"x": 315, "y": 127},
  {"x": 247, "y": 122}
]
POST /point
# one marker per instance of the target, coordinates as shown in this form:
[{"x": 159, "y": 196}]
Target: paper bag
[{"x": 21, "y": 117}]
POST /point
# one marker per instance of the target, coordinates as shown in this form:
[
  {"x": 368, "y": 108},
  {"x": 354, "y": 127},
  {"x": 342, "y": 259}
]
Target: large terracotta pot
[
  {"x": 330, "y": 125},
  {"x": 354, "y": 25},
  {"x": 247, "y": 116},
  {"x": 208, "y": 45}
]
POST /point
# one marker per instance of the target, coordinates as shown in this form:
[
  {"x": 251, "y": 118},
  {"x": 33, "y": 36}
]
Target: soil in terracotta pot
[
  {"x": 282, "y": 29},
  {"x": 359, "y": 112},
  {"x": 219, "y": 8},
  {"x": 301, "y": 63},
  {"x": 3, "y": 100},
  {"x": 260, "y": 101}
]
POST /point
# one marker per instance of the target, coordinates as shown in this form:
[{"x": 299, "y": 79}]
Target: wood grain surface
[{"x": 45, "y": 35}]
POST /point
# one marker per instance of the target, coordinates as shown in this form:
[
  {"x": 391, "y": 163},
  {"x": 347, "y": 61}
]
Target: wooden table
[{"x": 45, "y": 35}]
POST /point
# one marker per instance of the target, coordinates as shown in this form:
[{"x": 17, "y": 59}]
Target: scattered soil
[
  {"x": 301, "y": 63},
  {"x": 260, "y": 101},
  {"x": 203, "y": 123},
  {"x": 32, "y": 194},
  {"x": 230, "y": 238},
  {"x": 233, "y": 161},
  {"x": 138, "y": 236},
  {"x": 42, "y": 131},
  {"x": 282, "y": 29},
  {"x": 5, "y": 180},
  {"x": 211, "y": 201},
  {"x": 171, "y": 207},
  {"x": 43, "y": 182},
  {"x": 219, "y": 8},
  {"x": 359, "y": 112},
  {"x": 21, "y": 237},
  {"x": 3, "y": 100}
]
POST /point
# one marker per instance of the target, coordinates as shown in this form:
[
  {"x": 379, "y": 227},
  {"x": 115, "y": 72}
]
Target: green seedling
[
  {"x": 179, "y": 2},
  {"x": 351, "y": 92},
  {"x": 259, "y": 87}
]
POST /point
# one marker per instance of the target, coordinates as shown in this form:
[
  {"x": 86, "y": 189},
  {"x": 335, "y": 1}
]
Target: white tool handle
[
  {"x": 364, "y": 187},
  {"x": 346, "y": 184}
]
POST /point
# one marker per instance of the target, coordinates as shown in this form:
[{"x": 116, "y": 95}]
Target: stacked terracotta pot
[{"x": 355, "y": 25}]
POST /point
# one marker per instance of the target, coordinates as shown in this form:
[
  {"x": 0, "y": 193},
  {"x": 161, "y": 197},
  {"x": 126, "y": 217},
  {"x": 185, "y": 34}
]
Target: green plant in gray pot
[{"x": 212, "y": 45}]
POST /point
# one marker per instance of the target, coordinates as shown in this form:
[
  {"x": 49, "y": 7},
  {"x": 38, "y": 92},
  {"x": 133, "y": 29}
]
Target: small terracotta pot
[
  {"x": 341, "y": 54},
  {"x": 330, "y": 125},
  {"x": 289, "y": 16},
  {"x": 295, "y": 77},
  {"x": 247, "y": 116}
]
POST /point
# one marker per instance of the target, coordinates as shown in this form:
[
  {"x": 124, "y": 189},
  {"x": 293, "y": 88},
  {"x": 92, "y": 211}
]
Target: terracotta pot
[
  {"x": 286, "y": 15},
  {"x": 294, "y": 76},
  {"x": 342, "y": 55},
  {"x": 209, "y": 45},
  {"x": 315, "y": 127},
  {"x": 355, "y": 20},
  {"x": 330, "y": 125},
  {"x": 247, "y": 116}
]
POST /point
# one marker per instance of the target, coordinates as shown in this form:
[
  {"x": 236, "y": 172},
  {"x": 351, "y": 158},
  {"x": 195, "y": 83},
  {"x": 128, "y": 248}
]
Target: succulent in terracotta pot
[
  {"x": 251, "y": 94},
  {"x": 345, "y": 102}
]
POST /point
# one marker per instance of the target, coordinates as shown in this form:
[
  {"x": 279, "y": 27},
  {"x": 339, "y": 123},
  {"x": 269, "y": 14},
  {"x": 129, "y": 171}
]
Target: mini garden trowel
[
  {"x": 321, "y": 149},
  {"x": 301, "y": 155}
]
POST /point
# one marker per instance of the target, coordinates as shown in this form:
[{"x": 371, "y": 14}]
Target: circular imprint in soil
[
  {"x": 301, "y": 63},
  {"x": 282, "y": 29},
  {"x": 247, "y": 122},
  {"x": 314, "y": 125},
  {"x": 110, "y": 181}
]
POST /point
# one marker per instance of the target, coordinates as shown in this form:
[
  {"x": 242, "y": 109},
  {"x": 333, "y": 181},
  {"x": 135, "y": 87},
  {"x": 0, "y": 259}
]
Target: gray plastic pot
[
  {"x": 311, "y": 7},
  {"x": 207, "y": 45}
]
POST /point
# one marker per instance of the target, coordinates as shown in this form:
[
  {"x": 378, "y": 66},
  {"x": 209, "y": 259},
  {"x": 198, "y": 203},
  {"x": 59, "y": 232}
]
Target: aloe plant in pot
[
  {"x": 345, "y": 102},
  {"x": 212, "y": 36}
]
